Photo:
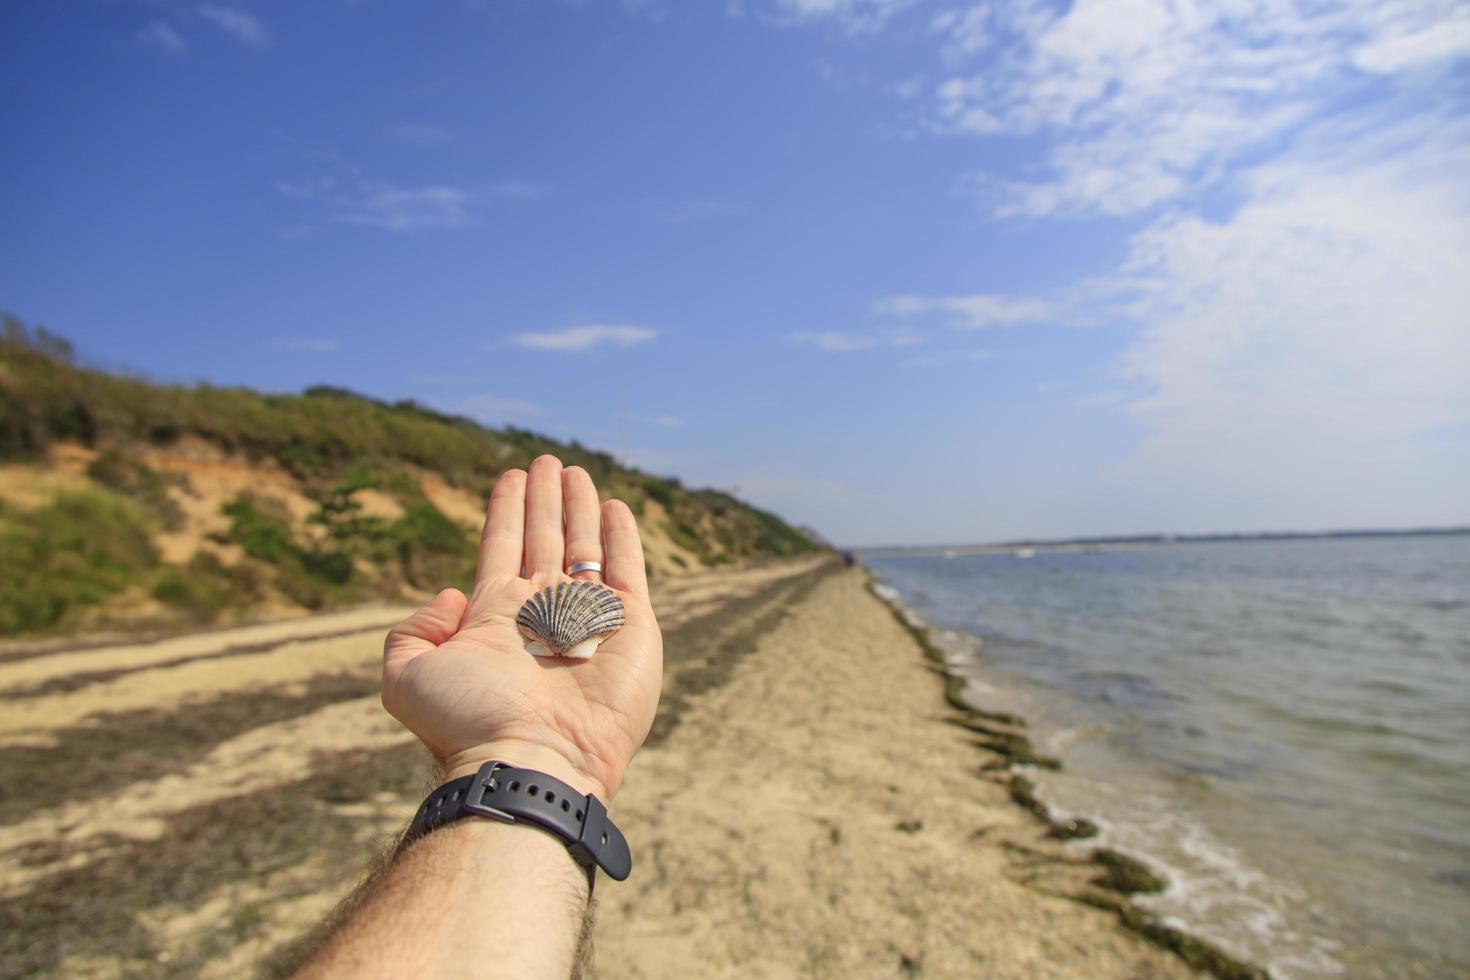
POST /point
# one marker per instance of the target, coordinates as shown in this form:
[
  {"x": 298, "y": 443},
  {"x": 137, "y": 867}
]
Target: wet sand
[{"x": 191, "y": 807}]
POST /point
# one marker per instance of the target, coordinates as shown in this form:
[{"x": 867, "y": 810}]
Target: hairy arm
[{"x": 479, "y": 897}]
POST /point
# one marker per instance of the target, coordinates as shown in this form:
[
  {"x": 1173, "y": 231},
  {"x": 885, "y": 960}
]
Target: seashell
[{"x": 570, "y": 619}]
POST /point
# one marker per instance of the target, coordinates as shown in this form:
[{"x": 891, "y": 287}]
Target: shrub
[
  {"x": 135, "y": 479},
  {"x": 73, "y": 553},
  {"x": 199, "y": 589}
]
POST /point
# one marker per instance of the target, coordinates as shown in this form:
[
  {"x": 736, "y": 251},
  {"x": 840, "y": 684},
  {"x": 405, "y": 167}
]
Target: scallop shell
[{"x": 570, "y": 619}]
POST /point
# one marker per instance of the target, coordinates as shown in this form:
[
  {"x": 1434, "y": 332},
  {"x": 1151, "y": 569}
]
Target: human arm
[{"x": 458, "y": 675}]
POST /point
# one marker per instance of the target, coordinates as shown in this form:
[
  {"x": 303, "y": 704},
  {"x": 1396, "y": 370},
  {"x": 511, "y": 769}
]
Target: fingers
[
  {"x": 545, "y": 543},
  {"x": 504, "y": 534},
  {"x": 434, "y": 623},
  {"x": 584, "y": 520},
  {"x": 624, "y": 562}
]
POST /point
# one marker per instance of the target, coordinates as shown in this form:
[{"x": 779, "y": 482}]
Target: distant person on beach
[{"x": 478, "y": 896}]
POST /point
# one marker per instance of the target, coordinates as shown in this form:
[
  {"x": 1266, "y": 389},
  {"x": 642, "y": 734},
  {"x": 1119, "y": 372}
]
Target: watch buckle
[{"x": 474, "y": 797}]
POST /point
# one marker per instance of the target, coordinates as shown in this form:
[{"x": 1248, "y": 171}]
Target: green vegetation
[
  {"x": 1078, "y": 828},
  {"x": 82, "y": 549},
  {"x": 1125, "y": 875},
  {"x": 136, "y": 480},
  {"x": 1196, "y": 952},
  {"x": 79, "y": 550}
]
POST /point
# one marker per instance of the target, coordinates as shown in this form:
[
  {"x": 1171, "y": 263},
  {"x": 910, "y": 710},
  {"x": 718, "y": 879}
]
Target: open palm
[{"x": 457, "y": 673}]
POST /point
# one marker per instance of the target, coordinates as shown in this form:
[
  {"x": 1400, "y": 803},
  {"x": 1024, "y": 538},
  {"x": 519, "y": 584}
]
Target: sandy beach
[{"x": 809, "y": 803}]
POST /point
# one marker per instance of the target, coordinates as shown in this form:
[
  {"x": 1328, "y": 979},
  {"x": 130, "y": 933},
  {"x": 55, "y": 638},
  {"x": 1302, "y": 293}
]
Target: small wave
[{"x": 1123, "y": 688}]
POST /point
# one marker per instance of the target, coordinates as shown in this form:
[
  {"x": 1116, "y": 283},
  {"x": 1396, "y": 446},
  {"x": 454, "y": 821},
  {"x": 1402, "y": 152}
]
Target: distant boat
[{"x": 1024, "y": 553}]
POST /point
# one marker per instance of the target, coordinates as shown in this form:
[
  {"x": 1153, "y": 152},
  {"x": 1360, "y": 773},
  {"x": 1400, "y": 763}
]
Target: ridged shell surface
[{"x": 570, "y": 619}]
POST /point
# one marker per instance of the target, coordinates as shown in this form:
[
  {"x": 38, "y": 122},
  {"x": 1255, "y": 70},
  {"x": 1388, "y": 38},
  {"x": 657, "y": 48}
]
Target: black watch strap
[{"x": 503, "y": 792}]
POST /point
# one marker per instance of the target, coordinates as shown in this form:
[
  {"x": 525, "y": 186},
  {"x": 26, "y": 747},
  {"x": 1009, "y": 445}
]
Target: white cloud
[
  {"x": 242, "y": 26},
  {"x": 854, "y": 16},
  {"x": 966, "y": 31},
  {"x": 585, "y": 337},
  {"x": 378, "y": 204},
  {"x": 163, "y": 36},
  {"x": 979, "y": 310},
  {"x": 492, "y": 408},
  {"x": 1307, "y": 355},
  {"x": 1146, "y": 100},
  {"x": 839, "y": 341},
  {"x": 835, "y": 340},
  {"x": 908, "y": 89},
  {"x": 1416, "y": 49}
]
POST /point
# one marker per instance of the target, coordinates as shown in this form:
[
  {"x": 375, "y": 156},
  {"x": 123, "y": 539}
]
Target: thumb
[{"x": 435, "y": 622}]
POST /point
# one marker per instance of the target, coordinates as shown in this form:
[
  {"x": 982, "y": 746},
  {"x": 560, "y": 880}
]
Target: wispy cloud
[
  {"x": 838, "y": 341},
  {"x": 242, "y": 26},
  {"x": 389, "y": 206},
  {"x": 378, "y": 204},
  {"x": 1145, "y": 101},
  {"x": 1304, "y": 343},
  {"x": 979, "y": 310},
  {"x": 163, "y": 36},
  {"x": 854, "y": 16},
  {"x": 835, "y": 340},
  {"x": 585, "y": 337}
]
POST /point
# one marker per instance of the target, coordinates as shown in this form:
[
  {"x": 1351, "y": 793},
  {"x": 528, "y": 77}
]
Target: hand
[{"x": 457, "y": 672}]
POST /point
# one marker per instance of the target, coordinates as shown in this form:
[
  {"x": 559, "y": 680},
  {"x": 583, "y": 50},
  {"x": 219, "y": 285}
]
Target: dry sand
[{"x": 802, "y": 809}]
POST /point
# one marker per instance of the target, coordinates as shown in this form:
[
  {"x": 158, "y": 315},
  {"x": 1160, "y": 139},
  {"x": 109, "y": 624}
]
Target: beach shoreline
[
  {"x": 808, "y": 805},
  {"x": 892, "y": 837},
  {"x": 1003, "y": 724}
]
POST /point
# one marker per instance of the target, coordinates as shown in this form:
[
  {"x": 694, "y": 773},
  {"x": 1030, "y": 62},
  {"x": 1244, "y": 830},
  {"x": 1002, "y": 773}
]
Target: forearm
[{"x": 475, "y": 898}]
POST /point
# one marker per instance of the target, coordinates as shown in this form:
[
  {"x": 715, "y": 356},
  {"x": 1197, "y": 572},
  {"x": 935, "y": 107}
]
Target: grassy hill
[{"x": 123, "y": 501}]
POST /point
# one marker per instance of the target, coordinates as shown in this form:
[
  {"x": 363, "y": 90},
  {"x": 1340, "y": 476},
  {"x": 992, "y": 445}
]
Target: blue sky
[{"x": 904, "y": 271}]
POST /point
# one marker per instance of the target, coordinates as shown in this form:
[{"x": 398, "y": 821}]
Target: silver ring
[{"x": 585, "y": 566}]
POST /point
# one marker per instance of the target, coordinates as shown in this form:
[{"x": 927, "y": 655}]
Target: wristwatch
[{"x": 503, "y": 792}]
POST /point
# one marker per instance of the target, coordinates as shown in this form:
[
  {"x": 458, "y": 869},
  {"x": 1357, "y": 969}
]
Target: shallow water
[{"x": 1284, "y": 726}]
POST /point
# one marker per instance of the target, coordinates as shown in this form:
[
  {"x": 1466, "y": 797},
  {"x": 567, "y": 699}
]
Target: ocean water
[{"x": 1282, "y": 726}]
